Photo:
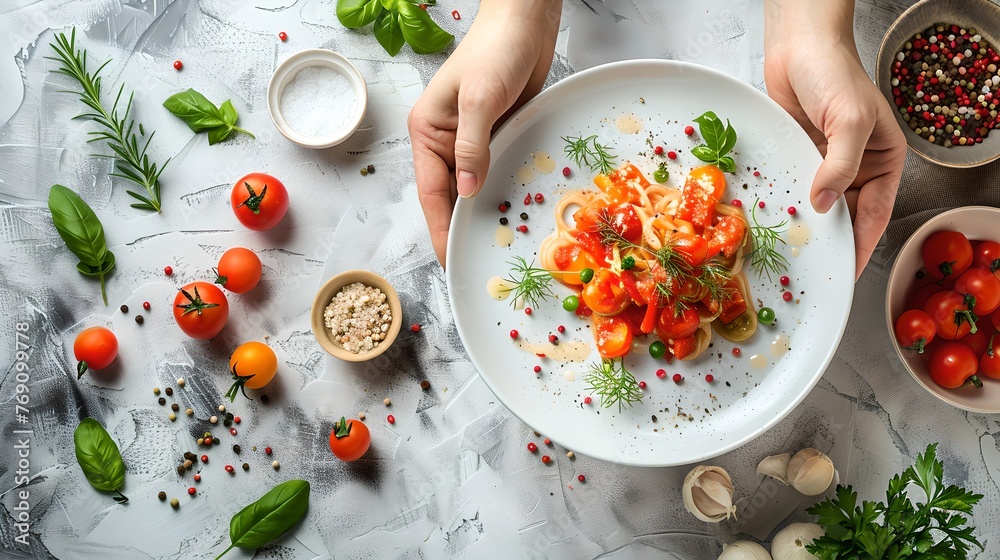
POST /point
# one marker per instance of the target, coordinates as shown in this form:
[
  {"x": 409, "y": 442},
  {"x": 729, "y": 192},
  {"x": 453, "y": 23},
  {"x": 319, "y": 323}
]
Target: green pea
[
  {"x": 661, "y": 175},
  {"x": 657, "y": 349},
  {"x": 628, "y": 262},
  {"x": 765, "y": 316},
  {"x": 586, "y": 275},
  {"x": 571, "y": 303}
]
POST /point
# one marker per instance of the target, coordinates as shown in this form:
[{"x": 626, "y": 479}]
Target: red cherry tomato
[
  {"x": 259, "y": 201},
  {"x": 350, "y": 440},
  {"x": 918, "y": 295},
  {"x": 950, "y": 310},
  {"x": 987, "y": 255},
  {"x": 675, "y": 326},
  {"x": 952, "y": 364},
  {"x": 946, "y": 253},
  {"x": 979, "y": 341},
  {"x": 97, "y": 346},
  {"x": 989, "y": 363},
  {"x": 239, "y": 270},
  {"x": 915, "y": 329},
  {"x": 201, "y": 310},
  {"x": 983, "y": 286}
]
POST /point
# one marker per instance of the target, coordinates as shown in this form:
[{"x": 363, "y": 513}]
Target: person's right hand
[{"x": 501, "y": 63}]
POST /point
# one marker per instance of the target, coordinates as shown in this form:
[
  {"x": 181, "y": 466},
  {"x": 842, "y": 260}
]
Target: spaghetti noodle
[{"x": 665, "y": 261}]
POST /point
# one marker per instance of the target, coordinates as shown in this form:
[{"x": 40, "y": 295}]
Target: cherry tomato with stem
[
  {"x": 946, "y": 253},
  {"x": 94, "y": 348},
  {"x": 350, "y": 439},
  {"x": 253, "y": 365},
  {"x": 989, "y": 361},
  {"x": 983, "y": 286},
  {"x": 201, "y": 310},
  {"x": 915, "y": 329},
  {"x": 987, "y": 255},
  {"x": 239, "y": 270},
  {"x": 952, "y": 313},
  {"x": 259, "y": 201},
  {"x": 952, "y": 364}
]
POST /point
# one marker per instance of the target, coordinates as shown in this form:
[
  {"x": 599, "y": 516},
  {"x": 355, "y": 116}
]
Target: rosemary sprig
[
  {"x": 765, "y": 257},
  {"x": 529, "y": 283},
  {"x": 131, "y": 160},
  {"x": 613, "y": 383},
  {"x": 588, "y": 152}
]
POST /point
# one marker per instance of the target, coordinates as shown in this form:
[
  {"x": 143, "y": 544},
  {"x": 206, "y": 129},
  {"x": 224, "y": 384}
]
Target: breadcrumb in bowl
[{"x": 350, "y": 319}]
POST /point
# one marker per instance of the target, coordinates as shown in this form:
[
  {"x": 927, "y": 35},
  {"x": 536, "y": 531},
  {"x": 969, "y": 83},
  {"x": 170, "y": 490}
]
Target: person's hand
[
  {"x": 501, "y": 63},
  {"x": 812, "y": 69}
]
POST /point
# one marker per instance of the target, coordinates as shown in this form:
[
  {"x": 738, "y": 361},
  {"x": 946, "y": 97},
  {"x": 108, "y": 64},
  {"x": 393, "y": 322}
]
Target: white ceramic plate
[{"x": 694, "y": 420}]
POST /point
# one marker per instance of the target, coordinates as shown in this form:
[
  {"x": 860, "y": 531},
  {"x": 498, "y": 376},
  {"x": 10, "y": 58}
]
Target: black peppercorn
[
  {"x": 175, "y": 407},
  {"x": 246, "y": 466},
  {"x": 237, "y": 448},
  {"x": 371, "y": 168},
  {"x": 170, "y": 392},
  {"x": 264, "y": 399},
  {"x": 139, "y": 320},
  {"x": 162, "y": 401},
  {"x": 503, "y": 221},
  {"x": 162, "y": 496},
  {"x": 425, "y": 384},
  {"x": 506, "y": 203},
  {"x": 124, "y": 308},
  {"x": 181, "y": 470},
  {"x": 524, "y": 216}
]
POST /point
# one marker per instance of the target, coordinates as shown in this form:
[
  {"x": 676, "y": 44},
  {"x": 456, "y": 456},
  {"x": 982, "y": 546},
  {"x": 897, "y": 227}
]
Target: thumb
[
  {"x": 846, "y": 141},
  {"x": 477, "y": 111}
]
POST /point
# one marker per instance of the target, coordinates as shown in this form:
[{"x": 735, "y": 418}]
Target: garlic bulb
[
  {"x": 744, "y": 550},
  {"x": 708, "y": 493},
  {"x": 810, "y": 472},
  {"x": 790, "y": 542},
  {"x": 775, "y": 466}
]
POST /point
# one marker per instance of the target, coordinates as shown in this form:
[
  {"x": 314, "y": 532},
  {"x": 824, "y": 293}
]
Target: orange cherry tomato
[
  {"x": 97, "y": 346},
  {"x": 201, "y": 310},
  {"x": 614, "y": 338},
  {"x": 605, "y": 294},
  {"x": 256, "y": 362},
  {"x": 259, "y": 201},
  {"x": 726, "y": 236},
  {"x": 239, "y": 270},
  {"x": 622, "y": 185},
  {"x": 573, "y": 258},
  {"x": 350, "y": 439},
  {"x": 692, "y": 248}
]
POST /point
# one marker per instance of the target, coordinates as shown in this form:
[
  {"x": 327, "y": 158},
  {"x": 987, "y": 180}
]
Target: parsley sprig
[
  {"x": 899, "y": 528},
  {"x": 588, "y": 152},
  {"x": 719, "y": 140},
  {"x": 613, "y": 383},
  {"x": 529, "y": 283},
  {"x": 765, "y": 258}
]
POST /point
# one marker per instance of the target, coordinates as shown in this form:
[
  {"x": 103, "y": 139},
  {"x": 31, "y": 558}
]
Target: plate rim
[{"x": 839, "y": 210}]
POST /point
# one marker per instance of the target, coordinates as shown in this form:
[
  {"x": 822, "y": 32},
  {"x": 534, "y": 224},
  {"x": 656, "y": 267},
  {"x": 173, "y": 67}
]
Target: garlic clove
[
  {"x": 790, "y": 542},
  {"x": 775, "y": 466},
  {"x": 810, "y": 472},
  {"x": 708, "y": 493},
  {"x": 744, "y": 550}
]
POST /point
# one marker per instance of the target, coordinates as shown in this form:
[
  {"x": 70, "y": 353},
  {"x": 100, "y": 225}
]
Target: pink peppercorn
[
  {"x": 737, "y": 203},
  {"x": 587, "y": 400},
  {"x": 415, "y": 327},
  {"x": 546, "y": 459},
  {"x": 178, "y": 65},
  {"x": 204, "y": 458},
  {"x": 756, "y": 173},
  {"x": 672, "y": 154},
  {"x": 661, "y": 373},
  {"x": 502, "y": 207},
  {"x": 197, "y": 478},
  {"x": 390, "y": 419},
  {"x": 737, "y": 352},
  {"x": 658, "y": 150},
  {"x": 232, "y": 431},
  {"x": 455, "y": 15},
  {"x": 230, "y": 469},
  {"x": 566, "y": 171},
  {"x": 283, "y": 36},
  {"x": 537, "y": 369},
  {"x": 642, "y": 384},
  {"x": 553, "y": 338},
  {"x": 267, "y": 451},
  {"x": 168, "y": 270},
  {"x": 784, "y": 280},
  {"x": 527, "y": 199},
  {"x": 760, "y": 204},
  {"x": 677, "y": 378},
  {"x": 539, "y": 198},
  {"x": 547, "y": 441},
  {"x": 561, "y": 329},
  {"x": 792, "y": 211},
  {"x": 532, "y": 447},
  {"x": 527, "y": 311},
  {"x": 787, "y": 296},
  {"x": 192, "y": 491},
  {"x": 582, "y": 478},
  {"x": 513, "y": 333},
  {"x": 689, "y": 130},
  {"x": 522, "y": 228},
  {"x": 710, "y": 378}
]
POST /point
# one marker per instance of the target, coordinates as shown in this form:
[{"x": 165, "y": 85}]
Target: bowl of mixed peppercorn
[{"x": 939, "y": 67}]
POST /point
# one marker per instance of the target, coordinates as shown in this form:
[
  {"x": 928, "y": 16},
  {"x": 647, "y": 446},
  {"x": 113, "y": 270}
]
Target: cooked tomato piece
[
  {"x": 726, "y": 236},
  {"x": 703, "y": 189},
  {"x": 632, "y": 287},
  {"x": 614, "y": 338},
  {"x": 733, "y": 305},
  {"x": 622, "y": 185},
  {"x": 573, "y": 258},
  {"x": 692, "y": 248},
  {"x": 675, "y": 325},
  {"x": 604, "y": 294},
  {"x": 684, "y": 347},
  {"x": 591, "y": 242}
]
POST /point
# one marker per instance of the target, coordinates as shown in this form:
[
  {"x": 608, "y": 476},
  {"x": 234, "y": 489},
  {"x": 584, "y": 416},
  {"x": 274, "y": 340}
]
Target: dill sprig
[
  {"x": 613, "y": 383},
  {"x": 713, "y": 276},
  {"x": 590, "y": 153},
  {"x": 131, "y": 160},
  {"x": 529, "y": 283},
  {"x": 765, "y": 257}
]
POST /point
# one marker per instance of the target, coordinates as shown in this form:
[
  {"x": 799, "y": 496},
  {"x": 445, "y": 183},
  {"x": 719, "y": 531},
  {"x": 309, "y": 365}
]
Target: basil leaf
[
  {"x": 83, "y": 233},
  {"x": 389, "y": 4},
  {"x": 195, "y": 110},
  {"x": 419, "y": 30},
  {"x": 704, "y": 153},
  {"x": 727, "y": 164},
  {"x": 388, "y": 32},
  {"x": 712, "y": 130},
  {"x": 353, "y": 14},
  {"x": 228, "y": 112},
  {"x": 730, "y": 140},
  {"x": 99, "y": 457},
  {"x": 218, "y": 134},
  {"x": 269, "y": 517}
]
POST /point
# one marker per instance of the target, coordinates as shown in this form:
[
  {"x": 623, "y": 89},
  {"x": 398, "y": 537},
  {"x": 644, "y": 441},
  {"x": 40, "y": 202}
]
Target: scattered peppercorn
[
  {"x": 214, "y": 420},
  {"x": 527, "y": 311},
  {"x": 710, "y": 378},
  {"x": 181, "y": 470},
  {"x": 503, "y": 221},
  {"x": 532, "y": 447},
  {"x": 156, "y": 390},
  {"x": 390, "y": 419},
  {"x": 571, "y": 455},
  {"x": 371, "y": 168},
  {"x": 546, "y": 459},
  {"x": 756, "y": 173},
  {"x": 522, "y": 228},
  {"x": 566, "y": 171},
  {"x": 162, "y": 496},
  {"x": 792, "y": 210},
  {"x": 227, "y": 422},
  {"x": 364, "y": 171},
  {"x": 169, "y": 391},
  {"x": 787, "y": 296},
  {"x": 181, "y": 382},
  {"x": 561, "y": 329},
  {"x": 361, "y": 416},
  {"x": 162, "y": 401},
  {"x": 178, "y": 65},
  {"x": 175, "y": 503},
  {"x": 188, "y": 463},
  {"x": 737, "y": 352},
  {"x": 232, "y": 431},
  {"x": 229, "y": 469},
  {"x": 283, "y": 36},
  {"x": 689, "y": 130},
  {"x": 425, "y": 384},
  {"x": 415, "y": 327},
  {"x": 275, "y": 465},
  {"x": 513, "y": 333},
  {"x": 192, "y": 491},
  {"x": 168, "y": 270},
  {"x": 386, "y": 401},
  {"x": 209, "y": 440},
  {"x": 222, "y": 408},
  {"x": 524, "y": 216},
  {"x": 264, "y": 399},
  {"x": 538, "y": 369},
  {"x": 737, "y": 203},
  {"x": 658, "y": 150},
  {"x": 539, "y": 198},
  {"x": 124, "y": 308},
  {"x": 547, "y": 441},
  {"x": 527, "y": 199},
  {"x": 236, "y": 419},
  {"x": 661, "y": 373},
  {"x": 175, "y": 407},
  {"x": 760, "y": 204},
  {"x": 267, "y": 451},
  {"x": 197, "y": 478},
  {"x": 587, "y": 400},
  {"x": 677, "y": 378},
  {"x": 246, "y": 466},
  {"x": 642, "y": 384},
  {"x": 553, "y": 339},
  {"x": 672, "y": 154},
  {"x": 139, "y": 319},
  {"x": 455, "y": 15},
  {"x": 581, "y": 478}
]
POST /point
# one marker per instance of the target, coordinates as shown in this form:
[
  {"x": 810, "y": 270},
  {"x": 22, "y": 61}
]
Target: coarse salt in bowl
[{"x": 317, "y": 98}]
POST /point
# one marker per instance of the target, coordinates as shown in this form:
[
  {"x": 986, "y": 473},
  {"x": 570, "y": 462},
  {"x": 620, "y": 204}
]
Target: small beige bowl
[
  {"x": 984, "y": 17},
  {"x": 325, "y": 296},
  {"x": 286, "y": 72},
  {"x": 978, "y": 223}
]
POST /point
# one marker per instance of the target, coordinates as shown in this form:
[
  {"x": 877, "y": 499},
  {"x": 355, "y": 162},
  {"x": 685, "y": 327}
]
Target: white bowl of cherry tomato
[{"x": 943, "y": 307}]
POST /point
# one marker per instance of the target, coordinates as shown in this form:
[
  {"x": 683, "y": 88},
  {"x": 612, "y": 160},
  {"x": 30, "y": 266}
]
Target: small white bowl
[{"x": 286, "y": 72}]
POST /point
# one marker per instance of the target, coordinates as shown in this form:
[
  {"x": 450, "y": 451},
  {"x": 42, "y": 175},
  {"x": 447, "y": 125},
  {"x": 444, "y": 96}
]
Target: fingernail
[
  {"x": 466, "y": 184},
  {"x": 825, "y": 200}
]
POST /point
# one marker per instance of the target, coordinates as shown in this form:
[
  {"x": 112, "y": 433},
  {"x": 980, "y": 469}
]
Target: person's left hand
[{"x": 820, "y": 81}]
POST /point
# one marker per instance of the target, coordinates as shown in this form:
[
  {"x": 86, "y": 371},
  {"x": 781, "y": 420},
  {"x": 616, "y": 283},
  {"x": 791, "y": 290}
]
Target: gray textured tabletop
[{"x": 451, "y": 478}]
